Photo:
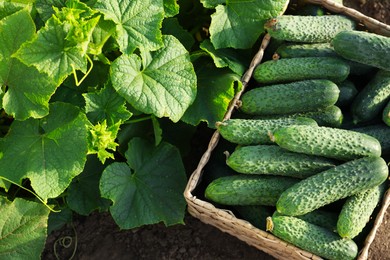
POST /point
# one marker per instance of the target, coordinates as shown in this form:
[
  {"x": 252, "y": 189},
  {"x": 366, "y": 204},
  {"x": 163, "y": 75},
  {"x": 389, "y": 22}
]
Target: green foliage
[
  {"x": 162, "y": 83},
  {"x": 230, "y": 19},
  {"x": 137, "y": 22},
  {"x": 100, "y": 102},
  {"x": 23, "y": 229},
  {"x": 49, "y": 151},
  {"x": 136, "y": 188}
]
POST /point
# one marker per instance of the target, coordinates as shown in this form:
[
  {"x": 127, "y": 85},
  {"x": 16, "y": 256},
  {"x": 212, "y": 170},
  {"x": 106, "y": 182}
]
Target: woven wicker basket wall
[{"x": 243, "y": 230}]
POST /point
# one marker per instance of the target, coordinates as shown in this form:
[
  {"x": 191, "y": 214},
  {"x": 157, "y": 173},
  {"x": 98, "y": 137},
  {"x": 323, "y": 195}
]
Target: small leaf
[
  {"x": 23, "y": 229},
  {"x": 234, "y": 59},
  {"x": 106, "y": 105},
  {"x": 100, "y": 35},
  {"x": 51, "y": 53},
  {"x": 232, "y": 25},
  {"x": 58, "y": 219},
  {"x": 45, "y": 7},
  {"x": 137, "y": 22},
  {"x": 165, "y": 86},
  {"x": 139, "y": 195},
  {"x": 216, "y": 89},
  {"x": 212, "y": 3},
  {"x": 157, "y": 131},
  {"x": 102, "y": 139},
  {"x": 171, "y": 8},
  {"x": 50, "y": 151}
]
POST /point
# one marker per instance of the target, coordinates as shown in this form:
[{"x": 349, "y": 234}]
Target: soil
[{"x": 98, "y": 237}]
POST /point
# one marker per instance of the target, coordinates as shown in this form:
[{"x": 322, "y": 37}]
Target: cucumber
[
  {"x": 246, "y": 190},
  {"x": 386, "y": 114},
  {"x": 300, "y": 96},
  {"x": 301, "y": 68},
  {"x": 319, "y": 50},
  {"x": 379, "y": 131},
  {"x": 323, "y": 218},
  {"x": 331, "y": 185},
  {"x": 256, "y": 215},
  {"x": 325, "y": 141},
  {"x": 330, "y": 116},
  {"x": 357, "y": 211},
  {"x": 312, "y": 238},
  {"x": 274, "y": 160},
  {"x": 255, "y": 131},
  {"x": 289, "y": 50},
  {"x": 348, "y": 92},
  {"x": 308, "y": 29},
  {"x": 363, "y": 47},
  {"x": 372, "y": 99}
]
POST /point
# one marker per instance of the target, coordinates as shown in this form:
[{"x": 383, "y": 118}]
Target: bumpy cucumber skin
[
  {"x": 371, "y": 100},
  {"x": 319, "y": 217},
  {"x": 348, "y": 92},
  {"x": 363, "y": 47},
  {"x": 245, "y": 190},
  {"x": 330, "y": 116},
  {"x": 325, "y": 141},
  {"x": 386, "y": 114},
  {"x": 313, "y": 238},
  {"x": 255, "y": 131},
  {"x": 357, "y": 210},
  {"x": 306, "y": 50},
  {"x": 294, "y": 69},
  {"x": 331, "y": 185},
  {"x": 300, "y": 96},
  {"x": 379, "y": 131},
  {"x": 274, "y": 160},
  {"x": 308, "y": 29},
  {"x": 320, "y": 50}
]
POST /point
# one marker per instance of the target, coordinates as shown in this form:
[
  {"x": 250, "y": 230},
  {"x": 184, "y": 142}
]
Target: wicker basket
[{"x": 224, "y": 219}]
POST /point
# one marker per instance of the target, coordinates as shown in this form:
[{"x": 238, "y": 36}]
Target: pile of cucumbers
[{"x": 312, "y": 136}]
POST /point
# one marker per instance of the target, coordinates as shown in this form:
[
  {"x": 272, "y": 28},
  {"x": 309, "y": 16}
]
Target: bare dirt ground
[{"x": 98, "y": 237}]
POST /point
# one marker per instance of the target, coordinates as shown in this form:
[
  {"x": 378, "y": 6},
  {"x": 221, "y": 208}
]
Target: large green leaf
[
  {"x": 28, "y": 91},
  {"x": 50, "y": 151},
  {"x": 216, "y": 89},
  {"x": 163, "y": 83},
  {"x": 149, "y": 188},
  {"x": 239, "y": 23},
  {"x": 137, "y": 22},
  {"x": 23, "y": 229}
]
